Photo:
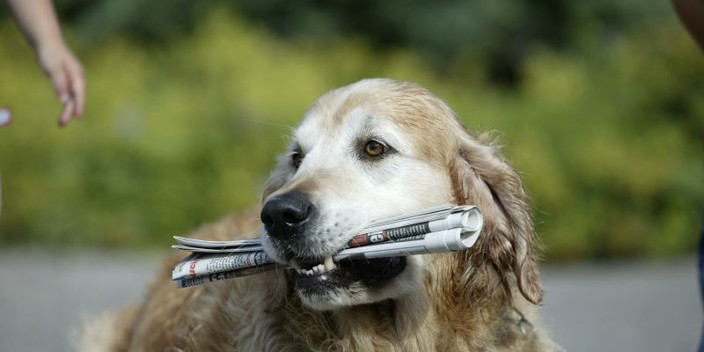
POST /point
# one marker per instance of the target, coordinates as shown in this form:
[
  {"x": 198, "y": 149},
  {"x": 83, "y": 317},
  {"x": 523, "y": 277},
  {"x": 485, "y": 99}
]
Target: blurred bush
[{"x": 605, "y": 132}]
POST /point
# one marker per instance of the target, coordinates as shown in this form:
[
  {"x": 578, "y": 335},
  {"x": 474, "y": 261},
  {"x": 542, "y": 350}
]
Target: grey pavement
[
  {"x": 624, "y": 307},
  {"x": 644, "y": 306}
]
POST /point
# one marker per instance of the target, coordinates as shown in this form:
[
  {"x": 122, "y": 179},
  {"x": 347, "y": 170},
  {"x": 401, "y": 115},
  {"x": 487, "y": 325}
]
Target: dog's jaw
[
  {"x": 348, "y": 282},
  {"x": 357, "y": 291}
]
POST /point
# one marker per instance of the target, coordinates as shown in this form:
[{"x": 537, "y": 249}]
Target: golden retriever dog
[{"x": 369, "y": 150}]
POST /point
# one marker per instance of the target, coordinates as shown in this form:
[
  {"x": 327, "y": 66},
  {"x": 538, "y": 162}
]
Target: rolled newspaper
[
  {"x": 440, "y": 229},
  {"x": 397, "y": 228},
  {"x": 217, "y": 276},
  {"x": 203, "y": 264},
  {"x": 467, "y": 217},
  {"x": 434, "y": 242}
]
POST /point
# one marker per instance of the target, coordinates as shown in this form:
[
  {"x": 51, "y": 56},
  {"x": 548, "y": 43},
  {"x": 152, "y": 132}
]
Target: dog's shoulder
[{"x": 169, "y": 316}]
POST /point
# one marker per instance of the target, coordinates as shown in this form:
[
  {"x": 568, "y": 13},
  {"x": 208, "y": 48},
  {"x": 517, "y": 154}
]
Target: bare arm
[{"x": 38, "y": 22}]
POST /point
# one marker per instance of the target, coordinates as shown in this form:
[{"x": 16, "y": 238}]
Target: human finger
[
  {"x": 77, "y": 86},
  {"x": 60, "y": 82},
  {"x": 66, "y": 113}
]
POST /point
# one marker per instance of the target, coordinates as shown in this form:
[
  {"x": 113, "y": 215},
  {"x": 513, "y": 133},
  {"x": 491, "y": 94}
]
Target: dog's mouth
[{"x": 317, "y": 276}]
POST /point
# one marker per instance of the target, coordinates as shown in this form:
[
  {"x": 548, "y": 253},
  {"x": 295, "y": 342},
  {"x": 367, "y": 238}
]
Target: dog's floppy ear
[{"x": 481, "y": 176}]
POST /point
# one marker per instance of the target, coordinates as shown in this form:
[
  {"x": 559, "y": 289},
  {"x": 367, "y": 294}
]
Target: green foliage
[
  {"x": 605, "y": 134},
  {"x": 498, "y": 33}
]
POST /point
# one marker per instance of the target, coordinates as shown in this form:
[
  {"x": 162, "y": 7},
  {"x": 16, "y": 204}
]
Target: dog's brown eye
[
  {"x": 296, "y": 159},
  {"x": 374, "y": 149}
]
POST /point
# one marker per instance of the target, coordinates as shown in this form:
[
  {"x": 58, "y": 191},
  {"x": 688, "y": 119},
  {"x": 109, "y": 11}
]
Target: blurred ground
[{"x": 589, "y": 307}]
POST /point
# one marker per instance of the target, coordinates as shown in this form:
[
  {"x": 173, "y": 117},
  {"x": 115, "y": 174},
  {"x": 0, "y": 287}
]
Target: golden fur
[{"x": 482, "y": 299}]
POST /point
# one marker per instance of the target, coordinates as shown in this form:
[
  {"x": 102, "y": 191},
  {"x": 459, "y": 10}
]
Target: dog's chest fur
[{"x": 225, "y": 316}]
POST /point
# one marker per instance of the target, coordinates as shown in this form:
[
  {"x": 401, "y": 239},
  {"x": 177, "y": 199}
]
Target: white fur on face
[{"x": 350, "y": 190}]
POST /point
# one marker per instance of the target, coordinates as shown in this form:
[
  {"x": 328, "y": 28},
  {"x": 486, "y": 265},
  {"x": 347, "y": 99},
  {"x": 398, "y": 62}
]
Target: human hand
[
  {"x": 39, "y": 24},
  {"x": 66, "y": 75}
]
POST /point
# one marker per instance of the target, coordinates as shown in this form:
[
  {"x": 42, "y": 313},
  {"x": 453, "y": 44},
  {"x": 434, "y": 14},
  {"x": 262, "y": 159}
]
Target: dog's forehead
[
  {"x": 412, "y": 117},
  {"x": 395, "y": 106},
  {"x": 348, "y": 122}
]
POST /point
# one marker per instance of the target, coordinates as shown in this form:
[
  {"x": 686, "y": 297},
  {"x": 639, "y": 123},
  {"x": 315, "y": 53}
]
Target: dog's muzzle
[{"x": 290, "y": 220}]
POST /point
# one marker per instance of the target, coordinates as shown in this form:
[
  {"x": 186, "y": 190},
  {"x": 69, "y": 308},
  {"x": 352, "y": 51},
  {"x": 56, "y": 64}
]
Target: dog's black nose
[{"x": 285, "y": 215}]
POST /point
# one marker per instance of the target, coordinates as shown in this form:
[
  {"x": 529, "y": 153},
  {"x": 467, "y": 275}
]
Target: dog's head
[{"x": 379, "y": 148}]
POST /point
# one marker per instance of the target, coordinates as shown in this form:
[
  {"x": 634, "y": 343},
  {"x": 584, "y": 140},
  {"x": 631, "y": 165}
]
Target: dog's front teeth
[
  {"x": 324, "y": 267},
  {"x": 329, "y": 264}
]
